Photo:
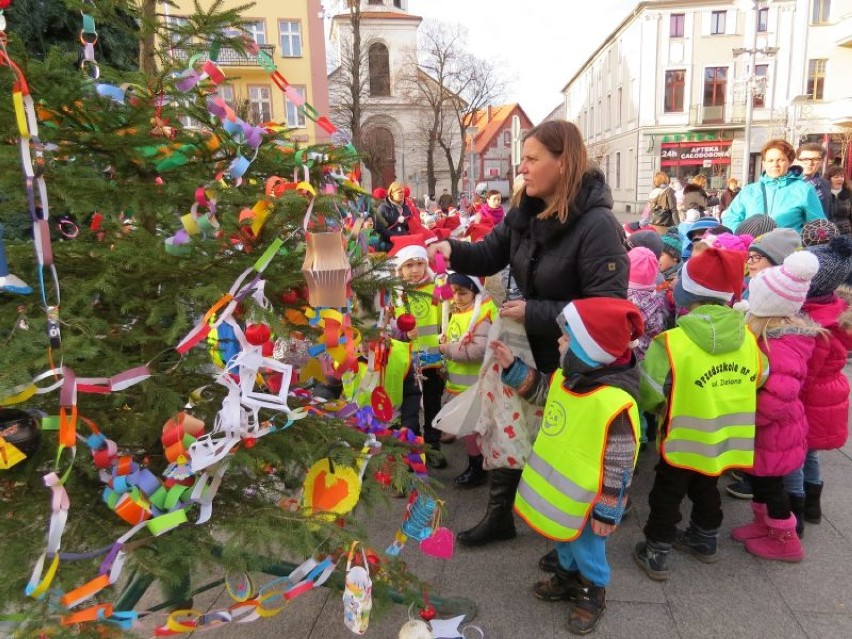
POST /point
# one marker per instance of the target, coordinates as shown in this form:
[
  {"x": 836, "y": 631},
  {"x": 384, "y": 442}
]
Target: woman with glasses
[{"x": 780, "y": 193}]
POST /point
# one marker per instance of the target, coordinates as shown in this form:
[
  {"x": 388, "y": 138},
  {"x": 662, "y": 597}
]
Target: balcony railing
[
  {"x": 700, "y": 115},
  {"x": 229, "y": 57}
]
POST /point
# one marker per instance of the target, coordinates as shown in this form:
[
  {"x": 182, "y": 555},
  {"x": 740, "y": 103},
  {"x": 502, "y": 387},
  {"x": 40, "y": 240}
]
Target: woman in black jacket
[
  {"x": 394, "y": 217},
  {"x": 840, "y": 205},
  {"x": 562, "y": 243}
]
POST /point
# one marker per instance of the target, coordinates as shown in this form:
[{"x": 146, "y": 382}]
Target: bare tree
[
  {"x": 844, "y": 138},
  {"x": 597, "y": 152},
  {"x": 349, "y": 83}
]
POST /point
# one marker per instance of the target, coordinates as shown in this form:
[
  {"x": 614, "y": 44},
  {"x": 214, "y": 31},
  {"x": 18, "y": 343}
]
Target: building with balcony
[
  {"x": 492, "y": 144},
  {"x": 292, "y": 35},
  {"x": 668, "y": 88}
]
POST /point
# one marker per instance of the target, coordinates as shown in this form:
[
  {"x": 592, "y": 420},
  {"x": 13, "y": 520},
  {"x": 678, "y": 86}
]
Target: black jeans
[
  {"x": 770, "y": 491},
  {"x": 671, "y": 485},
  {"x": 409, "y": 412}
]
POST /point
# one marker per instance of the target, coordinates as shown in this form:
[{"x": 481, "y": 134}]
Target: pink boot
[
  {"x": 755, "y": 529},
  {"x": 781, "y": 544}
]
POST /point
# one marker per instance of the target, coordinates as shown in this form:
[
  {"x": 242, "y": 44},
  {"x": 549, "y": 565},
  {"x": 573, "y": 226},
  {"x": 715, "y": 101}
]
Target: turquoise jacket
[{"x": 790, "y": 201}]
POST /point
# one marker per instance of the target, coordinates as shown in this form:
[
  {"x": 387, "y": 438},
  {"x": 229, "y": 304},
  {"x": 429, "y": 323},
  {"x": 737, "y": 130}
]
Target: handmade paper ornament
[
  {"x": 326, "y": 269},
  {"x": 440, "y": 544},
  {"x": 415, "y": 629},
  {"x": 330, "y": 489},
  {"x": 357, "y": 593},
  {"x": 19, "y": 436}
]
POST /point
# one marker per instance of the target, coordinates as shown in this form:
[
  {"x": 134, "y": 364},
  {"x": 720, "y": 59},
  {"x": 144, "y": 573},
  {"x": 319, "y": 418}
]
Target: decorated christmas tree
[{"x": 200, "y": 286}]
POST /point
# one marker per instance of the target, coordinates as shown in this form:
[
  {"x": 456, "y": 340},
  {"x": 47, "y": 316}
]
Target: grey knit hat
[
  {"x": 756, "y": 225},
  {"x": 776, "y": 245},
  {"x": 835, "y": 264},
  {"x": 647, "y": 239}
]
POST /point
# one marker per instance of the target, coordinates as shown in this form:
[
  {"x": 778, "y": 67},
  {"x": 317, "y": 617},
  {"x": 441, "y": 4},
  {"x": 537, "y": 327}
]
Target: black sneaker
[
  {"x": 562, "y": 585},
  {"x": 587, "y": 609},
  {"x": 549, "y": 562},
  {"x": 740, "y": 489},
  {"x": 737, "y": 475},
  {"x": 699, "y": 544},
  {"x": 653, "y": 558}
]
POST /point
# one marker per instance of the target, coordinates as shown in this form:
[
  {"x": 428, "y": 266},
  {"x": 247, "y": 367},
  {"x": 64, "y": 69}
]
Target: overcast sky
[{"x": 541, "y": 43}]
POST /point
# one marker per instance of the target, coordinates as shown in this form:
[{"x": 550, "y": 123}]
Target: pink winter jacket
[
  {"x": 825, "y": 394},
  {"x": 781, "y": 427}
]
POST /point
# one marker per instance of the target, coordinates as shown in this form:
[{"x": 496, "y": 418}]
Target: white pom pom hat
[{"x": 780, "y": 291}]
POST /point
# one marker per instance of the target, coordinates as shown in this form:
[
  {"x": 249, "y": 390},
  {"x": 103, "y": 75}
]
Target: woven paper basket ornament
[{"x": 326, "y": 269}]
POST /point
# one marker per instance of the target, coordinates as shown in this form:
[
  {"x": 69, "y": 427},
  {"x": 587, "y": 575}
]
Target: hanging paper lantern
[{"x": 326, "y": 269}]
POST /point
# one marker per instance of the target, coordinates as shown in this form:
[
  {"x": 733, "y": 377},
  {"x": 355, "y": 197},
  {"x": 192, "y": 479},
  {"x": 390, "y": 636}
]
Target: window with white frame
[
  {"x": 290, "y": 35},
  {"x": 821, "y": 11},
  {"x": 763, "y": 20},
  {"x": 173, "y": 25},
  {"x": 718, "y": 21},
  {"x": 295, "y": 117},
  {"x": 256, "y": 29},
  {"x": 761, "y": 73},
  {"x": 226, "y": 92},
  {"x": 260, "y": 103},
  {"x": 618, "y": 170}
]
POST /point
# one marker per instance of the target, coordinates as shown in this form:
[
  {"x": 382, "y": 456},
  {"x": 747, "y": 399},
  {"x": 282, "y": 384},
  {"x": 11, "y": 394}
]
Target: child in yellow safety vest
[
  {"x": 463, "y": 342},
  {"x": 703, "y": 376},
  {"x": 417, "y": 301},
  {"x": 575, "y": 481}
]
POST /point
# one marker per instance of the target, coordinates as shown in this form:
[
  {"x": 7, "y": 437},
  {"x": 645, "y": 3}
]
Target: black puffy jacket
[{"x": 554, "y": 262}]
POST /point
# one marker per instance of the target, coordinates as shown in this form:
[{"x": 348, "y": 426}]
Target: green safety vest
[
  {"x": 461, "y": 375},
  {"x": 563, "y": 475},
  {"x": 428, "y": 316},
  {"x": 398, "y": 366},
  {"x": 712, "y": 406}
]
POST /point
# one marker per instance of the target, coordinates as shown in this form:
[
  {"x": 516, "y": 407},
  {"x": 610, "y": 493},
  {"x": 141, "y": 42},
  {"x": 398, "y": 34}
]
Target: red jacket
[{"x": 825, "y": 394}]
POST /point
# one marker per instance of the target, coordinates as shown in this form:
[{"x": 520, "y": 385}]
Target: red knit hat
[
  {"x": 604, "y": 327},
  {"x": 379, "y": 193},
  {"x": 712, "y": 274}
]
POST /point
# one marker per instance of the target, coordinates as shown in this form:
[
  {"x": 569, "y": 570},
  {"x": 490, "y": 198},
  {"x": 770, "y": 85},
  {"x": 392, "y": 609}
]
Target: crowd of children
[{"x": 728, "y": 353}]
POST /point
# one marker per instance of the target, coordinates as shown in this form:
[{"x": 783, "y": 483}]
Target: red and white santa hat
[
  {"x": 408, "y": 247},
  {"x": 605, "y": 328},
  {"x": 712, "y": 275}
]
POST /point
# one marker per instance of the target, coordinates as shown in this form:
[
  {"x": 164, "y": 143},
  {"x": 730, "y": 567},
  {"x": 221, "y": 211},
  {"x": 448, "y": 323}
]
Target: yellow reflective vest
[
  {"x": 398, "y": 366},
  {"x": 563, "y": 477},
  {"x": 711, "y": 411},
  {"x": 463, "y": 374},
  {"x": 428, "y": 317}
]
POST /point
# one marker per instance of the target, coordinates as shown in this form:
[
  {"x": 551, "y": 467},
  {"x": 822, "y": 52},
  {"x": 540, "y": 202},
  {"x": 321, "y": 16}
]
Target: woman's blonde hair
[
  {"x": 700, "y": 180},
  {"x": 563, "y": 140},
  {"x": 760, "y": 326},
  {"x": 660, "y": 178}
]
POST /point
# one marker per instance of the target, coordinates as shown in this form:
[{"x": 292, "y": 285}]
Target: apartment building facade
[
  {"x": 292, "y": 33},
  {"x": 668, "y": 89}
]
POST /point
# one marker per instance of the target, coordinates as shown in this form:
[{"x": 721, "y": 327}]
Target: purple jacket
[
  {"x": 826, "y": 391},
  {"x": 781, "y": 428}
]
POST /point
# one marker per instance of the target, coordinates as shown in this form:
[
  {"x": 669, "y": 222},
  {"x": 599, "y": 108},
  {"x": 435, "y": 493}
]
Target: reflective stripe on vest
[
  {"x": 427, "y": 315},
  {"x": 462, "y": 375},
  {"x": 712, "y": 408},
  {"x": 564, "y": 473}
]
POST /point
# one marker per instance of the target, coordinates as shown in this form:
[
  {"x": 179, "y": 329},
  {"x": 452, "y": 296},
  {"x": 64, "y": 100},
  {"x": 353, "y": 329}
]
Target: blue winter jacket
[{"x": 790, "y": 201}]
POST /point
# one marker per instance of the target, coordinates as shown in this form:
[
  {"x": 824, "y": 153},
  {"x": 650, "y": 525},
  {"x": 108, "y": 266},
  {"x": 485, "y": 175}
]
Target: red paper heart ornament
[
  {"x": 328, "y": 494},
  {"x": 381, "y": 403},
  {"x": 440, "y": 544}
]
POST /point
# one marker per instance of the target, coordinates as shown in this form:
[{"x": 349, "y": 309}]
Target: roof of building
[
  {"x": 490, "y": 126},
  {"x": 380, "y": 15}
]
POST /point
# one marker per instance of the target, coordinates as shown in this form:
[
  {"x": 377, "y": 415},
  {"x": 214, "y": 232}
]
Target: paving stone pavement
[{"x": 740, "y": 596}]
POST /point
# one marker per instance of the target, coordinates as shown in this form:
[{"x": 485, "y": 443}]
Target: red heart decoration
[
  {"x": 327, "y": 497},
  {"x": 381, "y": 403},
  {"x": 510, "y": 431},
  {"x": 515, "y": 416},
  {"x": 440, "y": 544},
  {"x": 512, "y": 461},
  {"x": 428, "y": 613}
]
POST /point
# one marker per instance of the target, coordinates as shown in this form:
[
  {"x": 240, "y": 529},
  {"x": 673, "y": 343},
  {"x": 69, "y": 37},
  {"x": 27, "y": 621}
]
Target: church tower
[{"x": 389, "y": 123}]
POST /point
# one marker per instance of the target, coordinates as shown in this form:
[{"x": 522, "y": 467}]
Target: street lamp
[
  {"x": 752, "y": 52},
  {"x": 471, "y": 132}
]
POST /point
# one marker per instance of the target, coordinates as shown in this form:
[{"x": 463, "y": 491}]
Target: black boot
[
  {"x": 474, "y": 475},
  {"x": 498, "y": 523},
  {"x": 549, "y": 562},
  {"x": 813, "y": 510},
  {"x": 589, "y": 605},
  {"x": 797, "y": 506},
  {"x": 562, "y": 585}
]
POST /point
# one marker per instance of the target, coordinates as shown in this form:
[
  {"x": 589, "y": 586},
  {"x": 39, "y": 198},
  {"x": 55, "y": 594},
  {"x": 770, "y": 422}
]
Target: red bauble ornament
[
  {"x": 249, "y": 442},
  {"x": 406, "y": 322},
  {"x": 267, "y": 349},
  {"x": 273, "y": 382},
  {"x": 428, "y": 613},
  {"x": 290, "y": 297},
  {"x": 257, "y": 334}
]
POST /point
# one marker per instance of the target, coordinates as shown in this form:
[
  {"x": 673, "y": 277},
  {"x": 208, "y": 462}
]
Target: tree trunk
[
  {"x": 147, "y": 44},
  {"x": 355, "y": 124},
  {"x": 431, "y": 178}
]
